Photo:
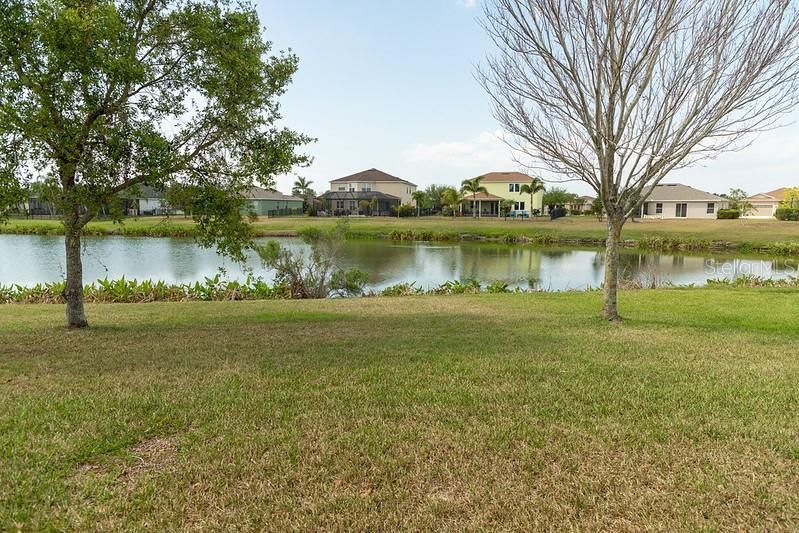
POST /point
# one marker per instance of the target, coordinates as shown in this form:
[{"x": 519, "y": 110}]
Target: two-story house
[
  {"x": 382, "y": 192},
  {"x": 508, "y": 186}
]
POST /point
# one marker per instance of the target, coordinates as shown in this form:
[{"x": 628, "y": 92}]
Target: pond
[{"x": 31, "y": 259}]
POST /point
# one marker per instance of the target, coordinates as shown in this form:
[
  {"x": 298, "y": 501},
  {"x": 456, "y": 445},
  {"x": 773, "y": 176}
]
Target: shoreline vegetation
[
  {"x": 768, "y": 237},
  {"x": 217, "y": 289},
  {"x": 464, "y": 412}
]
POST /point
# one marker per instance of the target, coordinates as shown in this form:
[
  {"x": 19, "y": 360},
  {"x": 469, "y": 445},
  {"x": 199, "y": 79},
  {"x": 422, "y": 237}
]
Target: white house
[{"x": 675, "y": 200}]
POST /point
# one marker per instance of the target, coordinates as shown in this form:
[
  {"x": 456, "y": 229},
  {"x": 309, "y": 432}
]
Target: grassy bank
[
  {"x": 489, "y": 411},
  {"x": 764, "y": 236}
]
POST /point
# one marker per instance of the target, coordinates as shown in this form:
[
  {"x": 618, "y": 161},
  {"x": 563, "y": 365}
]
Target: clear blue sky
[{"x": 390, "y": 84}]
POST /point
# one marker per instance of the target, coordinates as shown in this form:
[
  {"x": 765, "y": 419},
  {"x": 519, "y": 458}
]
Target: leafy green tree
[
  {"x": 434, "y": 197},
  {"x": 791, "y": 199},
  {"x": 364, "y": 205},
  {"x": 534, "y": 187},
  {"x": 420, "y": 198},
  {"x": 472, "y": 186},
  {"x": 597, "y": 209},
  {"x": 505, "y": 207},
  {"x": 558, "y": 196},
  {"x": 12, "y": 196},
  {"x": 452, "y": 199},
  {"x": 317, "y": 275},
  {"x": 102, "y": 95},
  {"x": 739, "y": 200}
]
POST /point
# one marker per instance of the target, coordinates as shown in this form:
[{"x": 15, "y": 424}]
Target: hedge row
[{"x": 787, "y": 213}]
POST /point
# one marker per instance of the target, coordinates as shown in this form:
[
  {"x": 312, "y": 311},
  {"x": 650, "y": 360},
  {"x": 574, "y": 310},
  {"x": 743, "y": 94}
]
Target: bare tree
[{"x": 619, "y": 93}]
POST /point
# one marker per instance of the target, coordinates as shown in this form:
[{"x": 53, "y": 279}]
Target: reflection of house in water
[
  {"x": 430, "y": 264},
  {"x": 513, "y": 264}
]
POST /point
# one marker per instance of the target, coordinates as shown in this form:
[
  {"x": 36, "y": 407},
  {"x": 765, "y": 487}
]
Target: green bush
[
  {"x": 132, "y": 291},
  {"x": 787, "y": 213},
  {"x": 405, "y": 210},
  {"x": 728, "y": 214},
  {"x": 318, "y": 274}
]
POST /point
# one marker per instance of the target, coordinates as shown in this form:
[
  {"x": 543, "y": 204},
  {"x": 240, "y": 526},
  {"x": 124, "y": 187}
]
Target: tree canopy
[{"x": 98, "y": 96}]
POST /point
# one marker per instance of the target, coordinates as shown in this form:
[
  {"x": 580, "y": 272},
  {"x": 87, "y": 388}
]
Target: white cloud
[
  {"x": 467, "y": 3},
  {"x": 484, "y": 152}
]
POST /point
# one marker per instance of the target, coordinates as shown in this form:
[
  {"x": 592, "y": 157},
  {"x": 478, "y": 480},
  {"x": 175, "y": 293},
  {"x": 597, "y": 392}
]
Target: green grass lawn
[
  {"x": 483, "y": 412},
  {"x": 752, "y": 232}
]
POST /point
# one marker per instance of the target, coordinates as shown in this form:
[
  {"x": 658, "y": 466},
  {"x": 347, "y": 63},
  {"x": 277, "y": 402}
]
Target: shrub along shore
[
  {"x": 216, "y": 290},
  {"x": 770, "y": 237}
]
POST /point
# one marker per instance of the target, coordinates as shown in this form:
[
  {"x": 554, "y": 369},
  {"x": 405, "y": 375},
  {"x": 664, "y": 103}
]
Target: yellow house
[{"x": 506, "y": 186}]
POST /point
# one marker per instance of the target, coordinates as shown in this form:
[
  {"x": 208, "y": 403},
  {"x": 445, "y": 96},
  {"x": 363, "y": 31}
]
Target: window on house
[
  {"x": 514, "y": 187},
  {"x": 658, "y": 208},
  {"x": 711, "y": 208},
  {"x": 681, "y": 211},
  {"x": 342, "y": 188},
  {"x": 339, "y": 204}
]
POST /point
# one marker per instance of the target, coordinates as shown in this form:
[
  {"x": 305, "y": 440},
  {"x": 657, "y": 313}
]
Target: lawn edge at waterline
[{"x": 649, "y": 237}]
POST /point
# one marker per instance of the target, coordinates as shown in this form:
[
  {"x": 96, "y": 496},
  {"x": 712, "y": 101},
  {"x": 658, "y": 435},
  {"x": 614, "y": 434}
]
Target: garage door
[{"x": 762, "y": 210}]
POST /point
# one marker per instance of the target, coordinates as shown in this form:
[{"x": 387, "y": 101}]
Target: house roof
[
  {"x": 481, "y": 196},
  {"x": 587, "y": 198},
  {"x": 259, "y": 193},
  {"x": 372, "y": 175},
  {"x": 677, "y": 192},
  {"x": 358, "y": 195},
  {"x": 506, "y": 177},
  {"x": 142, "y": 191},
  {"x": 777, "y": 195}
]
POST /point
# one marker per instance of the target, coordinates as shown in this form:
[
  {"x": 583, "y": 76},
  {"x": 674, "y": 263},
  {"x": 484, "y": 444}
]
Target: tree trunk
[
  {"x": 73, "y": 291},
  {"x": 611, "y": 284}
]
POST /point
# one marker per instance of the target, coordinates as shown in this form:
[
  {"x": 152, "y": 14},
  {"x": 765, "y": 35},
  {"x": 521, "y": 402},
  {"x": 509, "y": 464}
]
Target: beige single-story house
[
  {"x": 581, "y": 204},
  {"x": 765, "y": 204},
  {"x": 675, "y": 200}
]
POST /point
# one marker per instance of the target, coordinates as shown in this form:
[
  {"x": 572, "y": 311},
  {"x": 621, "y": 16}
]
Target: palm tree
[
  {"x": 534, "y": 187},
  {"x": 451, "y": 199},
  {"x": 301, "y": 187},
  {"x": 473, "y": 187},
  {"x": 420, "y": 197}
]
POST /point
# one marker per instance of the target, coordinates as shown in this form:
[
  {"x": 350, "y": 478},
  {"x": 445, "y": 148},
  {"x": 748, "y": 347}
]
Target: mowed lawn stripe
[{"x": 512, "y": 411}]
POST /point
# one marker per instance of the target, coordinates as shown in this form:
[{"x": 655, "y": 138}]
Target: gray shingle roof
[
  {"x": 259, "y": 193},
  {"x": 677, "y": 192}
]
